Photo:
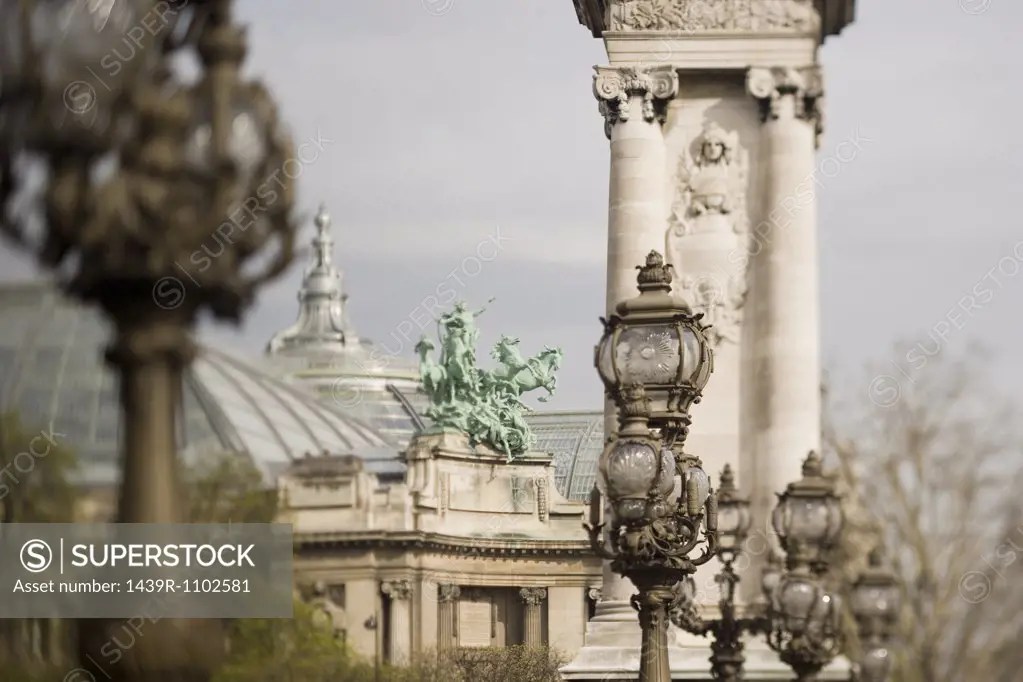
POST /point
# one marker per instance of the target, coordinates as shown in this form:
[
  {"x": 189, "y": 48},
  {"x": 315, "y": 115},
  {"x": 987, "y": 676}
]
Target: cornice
[{"x": 450, "y": 544}]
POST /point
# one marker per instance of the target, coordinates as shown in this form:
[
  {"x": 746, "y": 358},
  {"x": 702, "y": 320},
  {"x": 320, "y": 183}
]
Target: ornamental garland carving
[
  {"x": 541, "y": 499},
  {"x": 615, "y": 86},
  {"x": 702, "y": 16}
]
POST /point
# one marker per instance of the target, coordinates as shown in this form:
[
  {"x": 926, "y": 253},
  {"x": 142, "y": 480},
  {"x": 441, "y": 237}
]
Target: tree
[
  {"x": 228, "y": 487},
  {"x": 36, "y": 466},
  {"x": 35, "y": 473},
  {"x": 936, "y": 461},
  {"x": 302, "y": 649}
]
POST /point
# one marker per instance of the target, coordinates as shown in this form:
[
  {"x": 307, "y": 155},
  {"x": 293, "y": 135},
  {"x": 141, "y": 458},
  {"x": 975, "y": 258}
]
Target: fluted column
[
  {"x": 784, "y": 408},
  {"x": 533, "y": 598},
  {"x": 633, "y": 102},
  {"x": 400, "y": 592},
  {"x": 447, "y": 599}
]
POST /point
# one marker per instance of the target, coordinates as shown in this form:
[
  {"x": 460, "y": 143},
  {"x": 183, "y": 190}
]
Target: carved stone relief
[
  {"x": 711, "y": 180},
  {"x": 701, "y": 16},
  {"x": 806, "y": 85},
  {"x": 397, "y": 589},
  {"x": 720, "y": 303},
  {"x": 533, "y": 596},
  {"x": 614, "y": 86},
  {"x": 710, "y": 201}
]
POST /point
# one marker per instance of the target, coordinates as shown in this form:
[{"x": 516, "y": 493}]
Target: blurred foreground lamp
[
  {"x": 138, "y": 171},
  {"x": 654, "y": 360},
  {"x": 875, "y": 604}
]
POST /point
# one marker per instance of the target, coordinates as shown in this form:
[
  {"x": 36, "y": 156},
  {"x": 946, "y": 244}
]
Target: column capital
[
  {"x": 448, "y": 593},
  {"x": 533, "y": 596},
  {"x": 397, "y": 589},
  {"x": 770, "y": 87},
  {"x": 614, "y": 86}
]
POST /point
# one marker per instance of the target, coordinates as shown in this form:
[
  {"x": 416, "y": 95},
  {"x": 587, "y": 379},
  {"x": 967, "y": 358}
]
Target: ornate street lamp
[
  {"x": 808, "y": 517},
  {"x": 654, "y": 360},
  {"x": 732, "y": 531},
  {"x": 142, "y": 169},
  {"x": 874, "y": 604},
  {"x": 655, "y": 340},
  {"x": 804, "y": 616}
]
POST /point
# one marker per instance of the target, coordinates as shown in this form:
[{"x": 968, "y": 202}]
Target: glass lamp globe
[
  {"x": 825, "y": 617},
  {"x": 733, "y": 513},
  {"x": 809, "y": 513},
  {"x": 875, "y": 665},
  {"x": 247, "y": 142},
  {"x": 770, "y": 576},
  {"x": 797, "y": 599},
  {"x": 876, "y": 593},
  {"x": 630, "y": 471},
  {"x": 655, "y": 340}
]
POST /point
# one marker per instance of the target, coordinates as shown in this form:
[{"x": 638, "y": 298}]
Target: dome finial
[{"x": 322, "y": 220}]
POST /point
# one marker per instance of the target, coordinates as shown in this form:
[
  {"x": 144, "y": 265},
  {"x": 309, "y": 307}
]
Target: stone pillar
[
  {"x": 783, "y": 396},
  {"x": 533, "y": 597},
  {"x": 400, "y": 592},
  {"x": 447, "y": 602},
  {"x": 633, "y": 102}
]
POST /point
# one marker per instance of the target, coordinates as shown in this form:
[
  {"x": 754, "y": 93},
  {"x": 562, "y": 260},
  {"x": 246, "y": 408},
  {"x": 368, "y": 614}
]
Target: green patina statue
[{"x": 486, "y": 405}]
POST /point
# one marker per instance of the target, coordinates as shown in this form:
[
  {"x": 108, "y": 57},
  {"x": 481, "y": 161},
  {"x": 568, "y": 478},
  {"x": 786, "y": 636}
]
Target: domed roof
[
  {"x": 322, "y": 351},
  {"x": 52, "y": 372}
]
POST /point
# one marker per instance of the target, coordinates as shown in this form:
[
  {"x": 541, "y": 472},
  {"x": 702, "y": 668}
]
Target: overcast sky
[{"x": 450, "y": 127}]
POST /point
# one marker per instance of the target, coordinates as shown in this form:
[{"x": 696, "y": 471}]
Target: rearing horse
[{"x": 527, "y": 375}]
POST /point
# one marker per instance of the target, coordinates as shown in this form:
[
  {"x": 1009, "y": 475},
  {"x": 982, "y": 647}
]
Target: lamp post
[
  {"x": 875, "y": 601},
  {"x": 804, "y": 616},
  {"x": 727, "y": 648},
  {"x": 141, "y": 172},
  {"x": 654, "y": 360}
]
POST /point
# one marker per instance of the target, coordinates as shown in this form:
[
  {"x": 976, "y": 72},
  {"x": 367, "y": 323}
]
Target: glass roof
[
  {"x": 53, "y": 374},
  {"x": 576, "y": 439}
]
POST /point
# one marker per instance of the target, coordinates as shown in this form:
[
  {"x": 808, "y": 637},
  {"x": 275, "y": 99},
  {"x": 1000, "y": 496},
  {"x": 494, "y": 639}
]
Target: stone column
[
  {"x": 447, "y": 602},
  {"x": 400, "y": 592},
  {"x": 783, "y": 398},
  {"x": 633, "y": 102},
  {"x": 533, "y": 597}
]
